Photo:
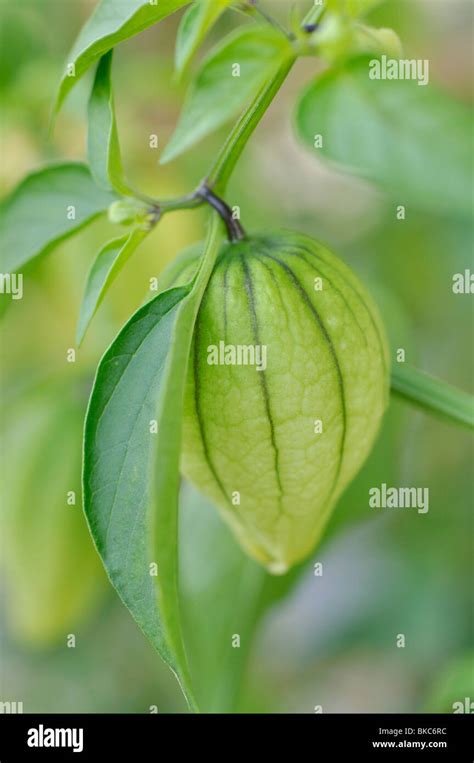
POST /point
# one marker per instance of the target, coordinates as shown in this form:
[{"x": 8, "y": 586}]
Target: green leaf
[
  {"x": 131, "y": 473},
  {"x": 112, "y": 22},
  {"x": 118, "y": 460},
  {"x": 413, "y": 140},
  {"x": 103, "y": 146},
  {"x": 48, "y": 206},
  {"x": 109, "y": 262},
  {"x": 433, "y": 395},
  {"x": 194, "y": 25},
  {"x": 218, "y": 578},
  {"x": 216, "y": 95}
]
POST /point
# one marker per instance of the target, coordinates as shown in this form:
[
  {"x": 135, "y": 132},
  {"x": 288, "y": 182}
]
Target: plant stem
[
  {"x": 202, "y": 194},
  {"x": 433, "y": 395},
  {"x": 235, "y": 231},
  {"x": 214, "y": 185},
  {"x": 223, "y": 167},
  {"x": 190, "y": 201}
]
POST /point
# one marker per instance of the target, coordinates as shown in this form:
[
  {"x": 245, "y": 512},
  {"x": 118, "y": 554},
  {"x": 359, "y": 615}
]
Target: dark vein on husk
[
  {"x": 300, "y": 289},
  {"x": 262, "y": 374}
]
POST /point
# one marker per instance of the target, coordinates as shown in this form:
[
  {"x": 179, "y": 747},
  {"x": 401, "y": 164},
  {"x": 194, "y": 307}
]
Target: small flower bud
[{"x": 127, "y": 211}]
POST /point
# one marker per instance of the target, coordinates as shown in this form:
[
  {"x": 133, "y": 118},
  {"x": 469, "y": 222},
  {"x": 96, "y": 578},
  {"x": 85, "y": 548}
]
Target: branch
[
  {"x": 434, "y": 395},
  {"x": 214, "y": 185}
]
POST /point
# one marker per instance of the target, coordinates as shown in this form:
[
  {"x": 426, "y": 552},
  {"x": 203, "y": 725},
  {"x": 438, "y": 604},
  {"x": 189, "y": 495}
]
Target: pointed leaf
[
  {"x": 413, "y": 140},
  {"x": 195, "y": 24},
  {"x": 111, "y": 22},
  {"x": 227, "y": 79},
  {"x": 118, "y": 459},
  {"x": 131, "y": 471},
  {"x": 109, "y": 262},
  {"x": 47, "y": 207},
  {"x": 102, "y": 137}
]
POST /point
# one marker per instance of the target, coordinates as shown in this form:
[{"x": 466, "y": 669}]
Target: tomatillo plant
[{"x": 262, "y": 369}]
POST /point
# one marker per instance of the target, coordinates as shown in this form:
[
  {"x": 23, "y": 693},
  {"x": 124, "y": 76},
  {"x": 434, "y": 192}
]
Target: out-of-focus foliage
[
  {"x": 413, "y": 140},
  {"x": 327, "y": 640},
  {"x": 453, "y": 689},
  {"x": 52, "y": 570}
]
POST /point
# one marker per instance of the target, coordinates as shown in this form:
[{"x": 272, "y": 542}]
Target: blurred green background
[{"x": 306, "y": 641}]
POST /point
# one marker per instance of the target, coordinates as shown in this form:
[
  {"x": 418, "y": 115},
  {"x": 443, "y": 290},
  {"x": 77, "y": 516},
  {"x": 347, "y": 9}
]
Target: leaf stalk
[{"x": 434, "y": 395}]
